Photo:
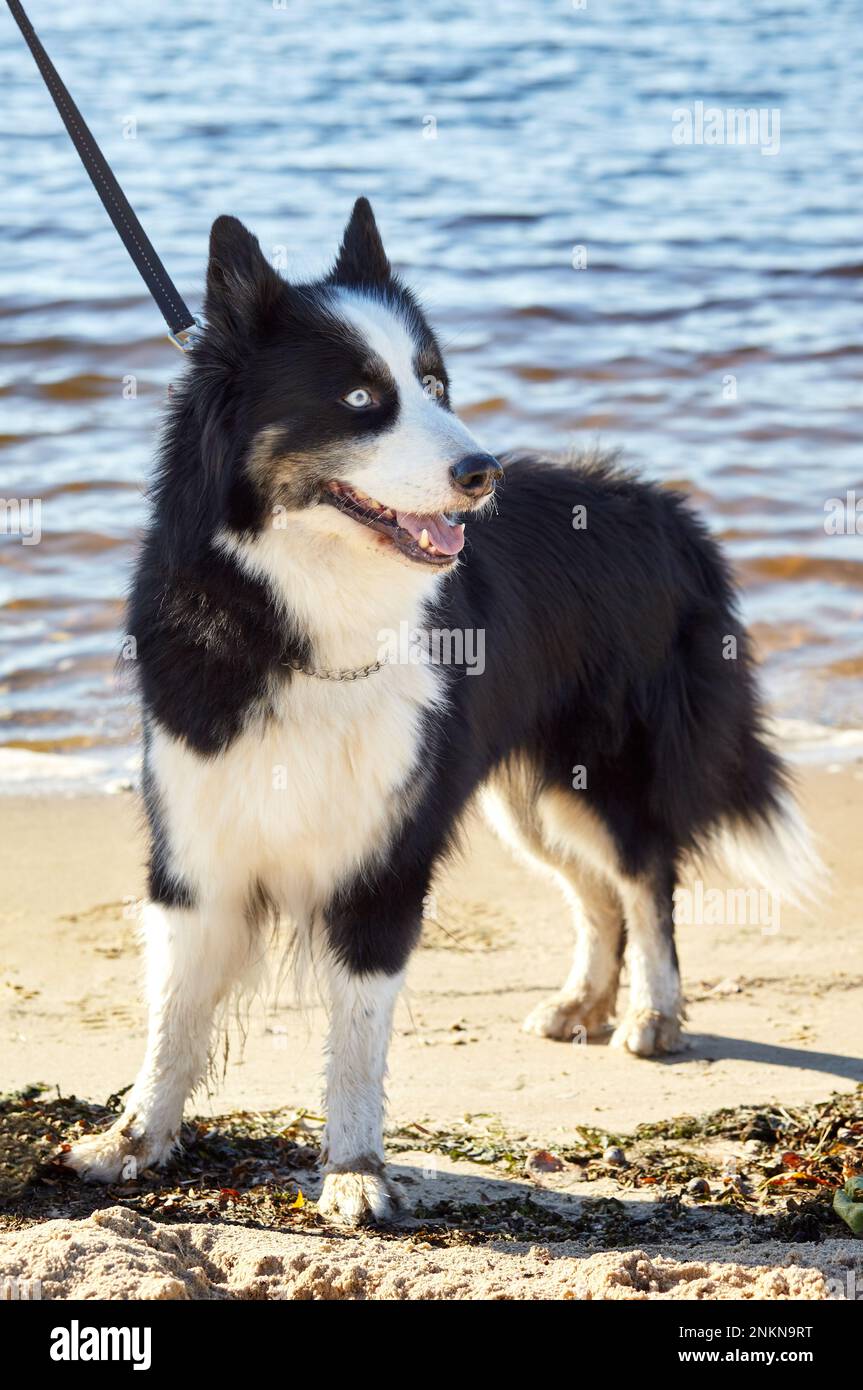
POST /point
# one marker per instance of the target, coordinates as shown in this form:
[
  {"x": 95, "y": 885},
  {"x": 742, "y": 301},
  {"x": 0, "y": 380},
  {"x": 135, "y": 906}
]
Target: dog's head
[{"x": 331, "y": 400}]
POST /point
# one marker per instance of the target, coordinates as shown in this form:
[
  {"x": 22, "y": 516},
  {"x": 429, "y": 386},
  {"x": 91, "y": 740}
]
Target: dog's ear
[
  {"x": 241, "y": 284},
  {"x": 362, "y": 259}
]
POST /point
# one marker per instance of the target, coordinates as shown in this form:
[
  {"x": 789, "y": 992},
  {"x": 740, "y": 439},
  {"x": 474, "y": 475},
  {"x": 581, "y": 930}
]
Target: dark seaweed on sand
[{"x": 256, "y": 1169}]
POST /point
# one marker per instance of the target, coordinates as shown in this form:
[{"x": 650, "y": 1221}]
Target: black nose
[{"x": 476, "y": 474}]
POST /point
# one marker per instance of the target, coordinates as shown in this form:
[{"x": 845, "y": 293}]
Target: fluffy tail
[{"x": 772, "y": 849}]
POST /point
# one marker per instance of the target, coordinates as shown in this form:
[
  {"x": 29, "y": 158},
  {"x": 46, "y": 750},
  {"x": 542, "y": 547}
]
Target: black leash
[{"x": 174, "y": 310}]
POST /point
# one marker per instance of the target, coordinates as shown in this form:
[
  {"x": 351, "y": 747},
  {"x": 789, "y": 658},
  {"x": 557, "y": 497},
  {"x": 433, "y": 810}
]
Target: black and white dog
[{"x": 315, "y": 492}]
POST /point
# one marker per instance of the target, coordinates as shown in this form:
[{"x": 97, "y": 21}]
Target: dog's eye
[{"x": 360, "y": 399}]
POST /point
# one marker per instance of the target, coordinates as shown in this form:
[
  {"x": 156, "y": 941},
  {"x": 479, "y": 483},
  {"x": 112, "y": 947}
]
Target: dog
[{"x": 315, "y": 491}]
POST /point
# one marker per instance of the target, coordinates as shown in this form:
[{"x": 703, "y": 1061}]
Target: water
[{"x": 711, "y": 270}]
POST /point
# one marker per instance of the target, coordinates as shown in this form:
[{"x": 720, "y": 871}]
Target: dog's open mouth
[{"x": 430, "y": 540}]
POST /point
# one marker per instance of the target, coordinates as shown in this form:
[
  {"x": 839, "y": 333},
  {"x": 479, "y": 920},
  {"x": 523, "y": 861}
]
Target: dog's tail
[{"x": 770, "y": 848}]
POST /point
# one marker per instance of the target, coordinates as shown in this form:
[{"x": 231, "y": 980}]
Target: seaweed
[{"x": 256, "y": 1168}]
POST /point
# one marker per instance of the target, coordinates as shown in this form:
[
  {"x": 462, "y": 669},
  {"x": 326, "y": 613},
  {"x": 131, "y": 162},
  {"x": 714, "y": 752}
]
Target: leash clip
[{"x": 184, "y": 338}]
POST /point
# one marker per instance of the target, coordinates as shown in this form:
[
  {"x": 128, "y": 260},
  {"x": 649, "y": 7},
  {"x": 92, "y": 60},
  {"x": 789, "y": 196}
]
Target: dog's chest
[{"x": 300, "y": 801}]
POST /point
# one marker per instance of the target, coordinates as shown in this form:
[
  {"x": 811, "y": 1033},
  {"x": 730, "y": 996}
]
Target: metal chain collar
[{"x": 351, "y": 674}]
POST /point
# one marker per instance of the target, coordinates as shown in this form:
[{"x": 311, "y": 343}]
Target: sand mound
[{"x": 118, "y": 1254}]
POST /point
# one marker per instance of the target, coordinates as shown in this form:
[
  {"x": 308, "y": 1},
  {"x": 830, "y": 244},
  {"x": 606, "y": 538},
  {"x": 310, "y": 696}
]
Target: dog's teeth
[
  {"x": 389, "y": 514},
  {"x": 460, "y": 527},
  {"x": 424, "y": 540}
]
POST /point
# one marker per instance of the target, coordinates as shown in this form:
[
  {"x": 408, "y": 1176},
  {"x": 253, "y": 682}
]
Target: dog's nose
[{"x": 476, "y": 474}]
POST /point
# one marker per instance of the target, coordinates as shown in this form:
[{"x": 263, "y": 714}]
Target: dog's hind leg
[
  {"x": 585, "y": 1003},
  {"x": 194, "y": 957},
  {"x": 652, "y": 1021}
]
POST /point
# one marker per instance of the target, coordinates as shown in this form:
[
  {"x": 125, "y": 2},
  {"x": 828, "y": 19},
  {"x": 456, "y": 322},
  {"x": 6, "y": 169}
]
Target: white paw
[
  {"x": 568, "y": 1017},
  {"x": 647, "y": 1033},
  {"x": 356, "y": 1197},
  {"x": 117, "y": 1154}
]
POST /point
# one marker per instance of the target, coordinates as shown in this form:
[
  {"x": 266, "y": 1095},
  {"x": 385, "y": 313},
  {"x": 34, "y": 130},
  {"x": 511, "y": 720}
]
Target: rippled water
[{"x": 710, "y": 269}]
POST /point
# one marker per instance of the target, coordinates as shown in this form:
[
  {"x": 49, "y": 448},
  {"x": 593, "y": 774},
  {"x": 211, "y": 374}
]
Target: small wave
[
  {"x": 22, "y": 769},
  {"x": 808, "y": 567},
  {"x": 851, "y": 271},
  {"x": 803, "y": 741}
]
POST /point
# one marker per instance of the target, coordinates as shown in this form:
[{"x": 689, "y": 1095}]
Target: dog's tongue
[{"x": 447, "y": 538}]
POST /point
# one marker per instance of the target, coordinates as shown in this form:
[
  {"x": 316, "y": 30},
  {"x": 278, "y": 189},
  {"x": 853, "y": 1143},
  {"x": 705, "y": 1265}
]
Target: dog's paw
[
  {"x": 566, "y": 1017},
  {"x": 354, "y": 1198},
  {"x": 117, "y": 1154},
  {"x": 647, "y": 1033}
]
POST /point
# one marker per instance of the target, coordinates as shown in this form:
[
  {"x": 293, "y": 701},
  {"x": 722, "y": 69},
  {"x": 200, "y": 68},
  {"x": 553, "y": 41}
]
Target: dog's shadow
[
  {"x": 443, "y": 1208},
  {"x": 715, "y": 1047},
  {"x": 453, "y": 1207}
]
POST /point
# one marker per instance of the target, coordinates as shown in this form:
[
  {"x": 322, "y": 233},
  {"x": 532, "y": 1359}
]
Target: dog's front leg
[
  {"x": 194, "y": 956},
  {"x": 356, "y": 1188}
]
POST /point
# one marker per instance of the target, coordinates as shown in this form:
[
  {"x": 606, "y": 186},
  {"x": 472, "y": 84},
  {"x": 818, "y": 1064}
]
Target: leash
[{"x": 181, "y": 322}]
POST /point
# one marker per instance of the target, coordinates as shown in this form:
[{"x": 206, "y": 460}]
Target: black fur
[{"x": 603, "y": 649}]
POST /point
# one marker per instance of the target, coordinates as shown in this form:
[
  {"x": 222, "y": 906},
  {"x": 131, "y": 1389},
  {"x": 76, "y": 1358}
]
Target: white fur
[
  {"x": 651, "y": 1020},
  {"x": 336, "y": 584},
  {"x": 361, "y": 1013},
  {"x": 406, "y": 467},
  {"x": 777, "y": 854},
  {"x": 194, "y": 959},
  {"x": 300, "y": 802},
  {"x": 584, "y": 1002},
  {"x": 566, "y": 839}
]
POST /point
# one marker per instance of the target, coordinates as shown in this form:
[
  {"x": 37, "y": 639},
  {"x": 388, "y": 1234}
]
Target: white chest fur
[
  {"x": 301, "y": 800},
  {"x": 298, "y": 802}
]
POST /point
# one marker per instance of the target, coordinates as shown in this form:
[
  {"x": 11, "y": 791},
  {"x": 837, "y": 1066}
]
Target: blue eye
[{"x": 360, "y": 399}]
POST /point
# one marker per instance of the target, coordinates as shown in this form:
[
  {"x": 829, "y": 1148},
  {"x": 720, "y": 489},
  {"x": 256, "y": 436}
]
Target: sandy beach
[{"x": 775, "y": 1018}]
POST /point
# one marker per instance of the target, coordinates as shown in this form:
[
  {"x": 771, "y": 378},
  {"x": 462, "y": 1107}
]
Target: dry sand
[
  {"x": 119, "y": 1254},
  {"x": 773, "y": 1017}
]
